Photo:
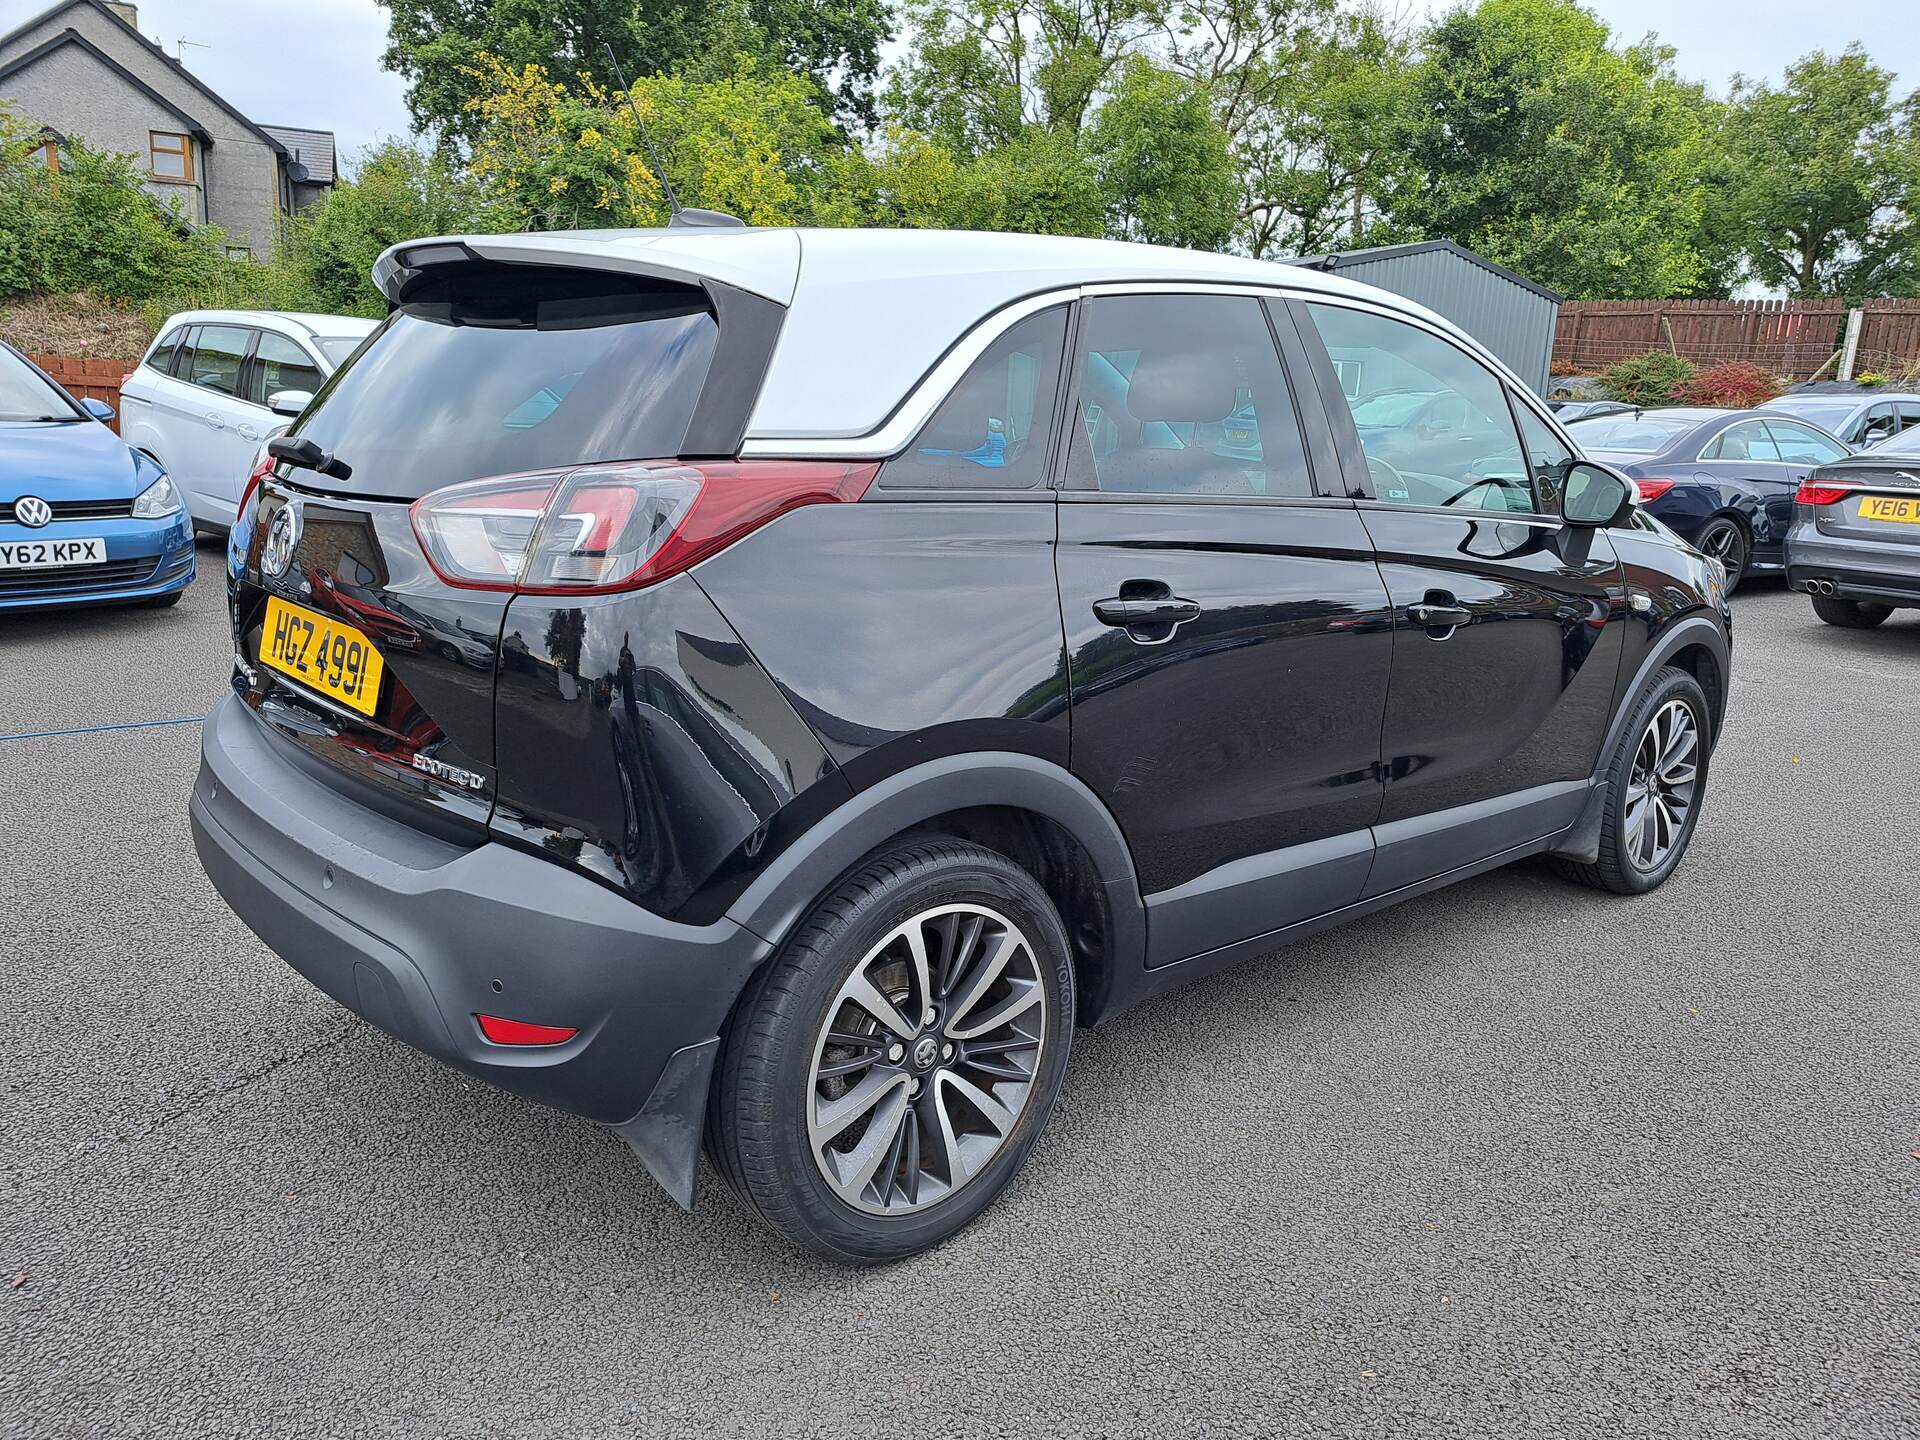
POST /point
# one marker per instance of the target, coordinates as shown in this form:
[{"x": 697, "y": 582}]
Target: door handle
[
  {"x": 1440, "y": 614},
  {"x": 1158, "y": 610},
  {"x": 246, "y": 432},
  {"x": 215, "y": 421}
]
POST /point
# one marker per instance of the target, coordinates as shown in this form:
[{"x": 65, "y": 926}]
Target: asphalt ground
[{"x": 1513, "y": 1159}]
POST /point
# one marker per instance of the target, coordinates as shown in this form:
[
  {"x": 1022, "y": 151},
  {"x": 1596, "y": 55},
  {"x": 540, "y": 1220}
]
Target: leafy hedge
[
  {"x": 1736, "y": 384},
  {"x": 1649, "y": 379}
]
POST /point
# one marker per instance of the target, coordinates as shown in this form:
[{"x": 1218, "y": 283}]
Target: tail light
[
  {"x": 1817, "y": 492},
  {"x": 263, "y": 464},
  {"x": 1650, "y": 489},
  {"x": 607, "y": 528}
]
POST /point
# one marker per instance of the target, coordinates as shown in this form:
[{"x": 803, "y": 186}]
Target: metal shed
[{"x": 1506, "y": 312}]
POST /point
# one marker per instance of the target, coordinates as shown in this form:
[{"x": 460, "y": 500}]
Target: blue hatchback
[{"x": 85, "y": 519}]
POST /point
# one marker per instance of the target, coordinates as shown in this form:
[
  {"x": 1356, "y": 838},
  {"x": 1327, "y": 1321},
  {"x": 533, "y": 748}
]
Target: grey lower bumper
[{"x": 419, "y": 936}]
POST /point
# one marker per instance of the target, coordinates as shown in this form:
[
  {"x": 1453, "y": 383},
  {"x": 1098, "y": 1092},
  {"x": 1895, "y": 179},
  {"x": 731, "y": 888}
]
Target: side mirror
[
  {"x": 98, "y": 409},
  {"x": 289, "y": 402},
  {"x": 1596, "y": 495}
]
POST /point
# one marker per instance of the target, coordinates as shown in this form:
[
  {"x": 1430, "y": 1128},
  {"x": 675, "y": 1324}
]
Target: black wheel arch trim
[
  {"x": 782, "y": 893},
  {"x": 1582, "y": 839}
]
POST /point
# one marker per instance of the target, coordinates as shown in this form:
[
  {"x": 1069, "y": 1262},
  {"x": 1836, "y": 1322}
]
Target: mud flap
[{"x": 666, "y": 1133}]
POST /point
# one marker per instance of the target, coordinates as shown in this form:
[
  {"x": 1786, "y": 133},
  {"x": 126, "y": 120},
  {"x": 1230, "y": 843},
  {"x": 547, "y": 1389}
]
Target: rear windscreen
[{"x": 497, "y": 369}]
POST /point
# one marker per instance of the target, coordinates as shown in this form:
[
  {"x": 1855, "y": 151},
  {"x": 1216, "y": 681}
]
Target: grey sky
[{"x": 317, "y": 62}]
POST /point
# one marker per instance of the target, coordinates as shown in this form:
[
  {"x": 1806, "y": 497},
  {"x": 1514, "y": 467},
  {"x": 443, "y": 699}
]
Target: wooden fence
[
  {"x": 88, "y": 379},
  {"x": 1795, "y": 338}
]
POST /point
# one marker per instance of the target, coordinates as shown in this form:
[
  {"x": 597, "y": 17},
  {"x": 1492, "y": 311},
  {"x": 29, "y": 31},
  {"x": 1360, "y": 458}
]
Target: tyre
[
  {"x": 1850, "y": 614},
  {"x": 1725, "y": 539},
  {"x": 886, "y": 1075},
  {"x": 1655, "y": 784}
]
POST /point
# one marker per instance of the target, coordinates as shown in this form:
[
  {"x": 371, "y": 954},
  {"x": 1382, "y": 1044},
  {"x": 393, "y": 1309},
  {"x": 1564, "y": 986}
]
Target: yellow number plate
[
  {"x": 1897, "y": 508},
  {"x": 322, "y": 653}
]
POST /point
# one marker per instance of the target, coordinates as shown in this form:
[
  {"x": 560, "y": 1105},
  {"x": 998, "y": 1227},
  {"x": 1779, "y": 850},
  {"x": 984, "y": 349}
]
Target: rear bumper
[
  {"x": 418, "y": 936},
  {"x": 1859, "y": 569}
]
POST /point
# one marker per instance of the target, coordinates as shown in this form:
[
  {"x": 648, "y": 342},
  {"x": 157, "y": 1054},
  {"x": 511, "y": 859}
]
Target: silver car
[
  {"x": 1855, "y": 541},
  {"x": 1860, "y": 418}
]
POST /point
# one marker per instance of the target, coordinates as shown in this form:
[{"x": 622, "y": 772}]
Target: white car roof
[
  {"x": 890, "y": 302},
  {"x": 314, "y": 324}
]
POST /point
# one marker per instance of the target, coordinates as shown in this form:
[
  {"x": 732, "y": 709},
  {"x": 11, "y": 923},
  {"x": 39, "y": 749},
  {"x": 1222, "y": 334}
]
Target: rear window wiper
[{"x": 309, "y": 456}]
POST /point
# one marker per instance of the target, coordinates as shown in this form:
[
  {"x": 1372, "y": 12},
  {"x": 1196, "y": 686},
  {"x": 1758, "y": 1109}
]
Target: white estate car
[{"x": 216, "y": 383}]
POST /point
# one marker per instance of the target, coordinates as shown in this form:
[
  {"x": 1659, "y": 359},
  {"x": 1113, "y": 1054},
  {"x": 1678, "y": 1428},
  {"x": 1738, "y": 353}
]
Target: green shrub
[
  {"x": 1871, "y": 379},
  {"x": 1649, "y": 379}
]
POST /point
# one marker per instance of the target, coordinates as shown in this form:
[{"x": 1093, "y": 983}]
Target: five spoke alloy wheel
[
  {"x": 1662, "y": 784},
  {"x": 927, "y": 1058}
]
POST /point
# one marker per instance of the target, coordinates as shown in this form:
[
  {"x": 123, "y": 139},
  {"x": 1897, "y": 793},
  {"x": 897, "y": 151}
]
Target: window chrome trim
[
  {"x": 899, "y": 428},
  {"x": 897, "y": 431}
]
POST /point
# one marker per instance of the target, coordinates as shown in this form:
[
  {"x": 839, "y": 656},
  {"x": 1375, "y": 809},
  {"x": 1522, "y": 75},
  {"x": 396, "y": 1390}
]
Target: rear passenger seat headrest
[{"x": 1182, "y": 387}]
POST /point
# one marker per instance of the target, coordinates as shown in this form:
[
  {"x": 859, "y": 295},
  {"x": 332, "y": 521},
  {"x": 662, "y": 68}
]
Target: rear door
[
  {"x": 1506, "y": 639},
  {"x": 1227, "y": 632},
  {"x": 1743, "y": 463},
  {"x": 219, "y": 430},
  {"x": 1800, "y": 447}
]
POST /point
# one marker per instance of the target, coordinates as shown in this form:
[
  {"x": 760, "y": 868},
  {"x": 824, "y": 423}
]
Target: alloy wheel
[
  {"x": 1724, "y": 542},
  {"x": 926, "y": 1059},
  {"x": 1662, "y": 785}
]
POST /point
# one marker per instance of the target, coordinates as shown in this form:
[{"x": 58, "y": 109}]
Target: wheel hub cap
[
  {"x": 1662, "y": 785},
  {"x": 901, "y": 1115}
]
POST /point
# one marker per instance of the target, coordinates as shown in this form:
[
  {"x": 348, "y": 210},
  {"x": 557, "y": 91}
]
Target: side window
[
  {"x": 992, "y": 431},
  {"x": 165, "y": 353},
  {"x": 1909, "y": 412},
  {"x": 1185, "y": 395},
  {"x": 1433, "y": 420},
  {"x": 279, "y": 364},
  {"x": 1801, "y": 445},
  {"x": 217, "y": 353},
  {"x": 1877, "y": 424},
  {"x": 1549, "y": 457},
  {"x": 1748, "y": 441}
]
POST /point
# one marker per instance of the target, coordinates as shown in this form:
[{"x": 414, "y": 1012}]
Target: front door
[
  {"x": 1227, "y": 632},
  {"x": 1505, "y": 650}
]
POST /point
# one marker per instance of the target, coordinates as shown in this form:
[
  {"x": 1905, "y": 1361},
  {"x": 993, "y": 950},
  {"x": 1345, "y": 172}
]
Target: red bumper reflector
[{"x": 519, "y": 1032}]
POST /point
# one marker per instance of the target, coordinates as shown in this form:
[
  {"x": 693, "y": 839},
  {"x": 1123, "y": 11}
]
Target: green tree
[
  {"x": 1164, "y": 165},
  {"x": 1318, "y": 133},
  {"x": 554, "y": 156},
  {"x": 396, "y": 192},
  {"x": 1825, "y": 182},
  {"x": 1536, "y": 142},
  {"x": 438, "y": 46}
]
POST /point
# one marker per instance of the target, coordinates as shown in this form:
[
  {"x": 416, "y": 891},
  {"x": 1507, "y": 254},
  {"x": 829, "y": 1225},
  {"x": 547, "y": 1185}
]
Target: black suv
[{"x": 769, "y": 687}]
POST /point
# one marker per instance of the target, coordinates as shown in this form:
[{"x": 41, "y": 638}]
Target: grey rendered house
[{"x": 82, "y": 68}]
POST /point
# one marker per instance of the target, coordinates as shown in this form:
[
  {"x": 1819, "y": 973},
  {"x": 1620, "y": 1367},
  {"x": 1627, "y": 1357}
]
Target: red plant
[{"x": 1736, "y": 384}]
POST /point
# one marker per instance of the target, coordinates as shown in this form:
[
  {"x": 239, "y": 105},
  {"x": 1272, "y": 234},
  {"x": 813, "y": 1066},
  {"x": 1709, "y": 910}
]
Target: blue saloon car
[
  {"x": 1723, "y": 479},
  {"x": 85, "y": 519}
]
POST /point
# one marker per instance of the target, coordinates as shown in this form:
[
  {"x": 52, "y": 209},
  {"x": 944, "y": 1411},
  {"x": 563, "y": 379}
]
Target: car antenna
[{"x": 678, "y": 216}]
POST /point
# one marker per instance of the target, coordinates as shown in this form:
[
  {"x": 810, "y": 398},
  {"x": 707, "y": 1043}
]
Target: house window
[
  {"x": 170, "y": 157},
  {"x": 49, "y": 154},
  {"x": 239, "y": 252}
]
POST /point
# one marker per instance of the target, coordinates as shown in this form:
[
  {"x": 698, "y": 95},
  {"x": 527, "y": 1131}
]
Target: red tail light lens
[
  {"x": 262, "y": 467},
  {"x": 607, "y": 528},
  {"x": 1651, "y": 489},
  {"x": 520, "y": 1032},
  {"x": 1814, "y": 492}
]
